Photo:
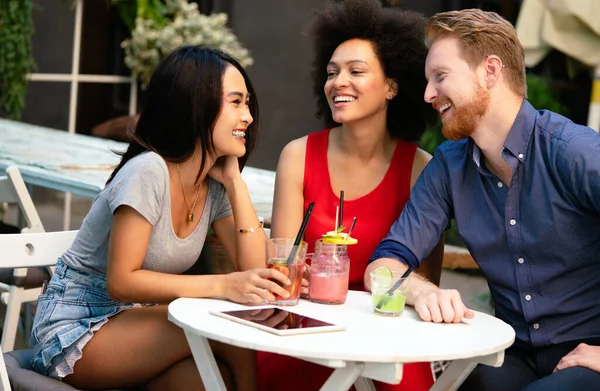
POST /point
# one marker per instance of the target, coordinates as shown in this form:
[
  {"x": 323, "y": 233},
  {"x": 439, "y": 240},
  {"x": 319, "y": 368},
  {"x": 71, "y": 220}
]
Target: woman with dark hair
[
  {"x": 368, "y": 75},
  {"x": 96, "y": 326}
]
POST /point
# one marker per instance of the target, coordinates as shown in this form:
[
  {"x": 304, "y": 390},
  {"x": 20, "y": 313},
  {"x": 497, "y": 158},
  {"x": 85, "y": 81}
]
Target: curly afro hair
[{"x": 398, "y": 38}]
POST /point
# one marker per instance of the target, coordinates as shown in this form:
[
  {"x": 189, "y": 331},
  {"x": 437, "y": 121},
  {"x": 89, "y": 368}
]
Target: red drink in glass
[
  {"x": 278, "y": 252},
  {"x": 294, "y": 272},
  {"x": 326, "y": 288}
]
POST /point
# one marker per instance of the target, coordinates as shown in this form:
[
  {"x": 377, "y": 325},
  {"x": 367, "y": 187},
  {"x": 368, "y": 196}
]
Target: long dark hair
[
  {"x": 184, "y": 99},
  {"x": 398, "y": 39}
]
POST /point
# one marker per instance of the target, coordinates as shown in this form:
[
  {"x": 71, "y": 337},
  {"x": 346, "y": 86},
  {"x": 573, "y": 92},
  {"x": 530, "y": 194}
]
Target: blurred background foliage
[
  {"x": 539, "y": 93},
  {"x": 16, "y": 59}
]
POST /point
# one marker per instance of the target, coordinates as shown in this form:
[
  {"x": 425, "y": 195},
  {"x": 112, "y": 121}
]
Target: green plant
[
  {"x": 130, "y": 10},
  {"x": 162, "y": 29},
  {"x": 16, "y": 60},
  {"x": 541, "y": 95}
]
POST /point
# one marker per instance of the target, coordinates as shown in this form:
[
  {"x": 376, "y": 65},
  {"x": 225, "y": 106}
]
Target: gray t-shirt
[{"x": 143, "y": 184}]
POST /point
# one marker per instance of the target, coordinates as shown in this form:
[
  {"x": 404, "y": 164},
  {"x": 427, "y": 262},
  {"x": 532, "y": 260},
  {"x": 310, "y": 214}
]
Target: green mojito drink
[
  {"x": 388, "y": 302},
  {"x": 389, "y": 305}
]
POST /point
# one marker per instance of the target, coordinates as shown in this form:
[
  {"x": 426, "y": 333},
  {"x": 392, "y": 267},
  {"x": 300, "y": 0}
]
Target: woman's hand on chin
[{"x": 226, "y": 169}]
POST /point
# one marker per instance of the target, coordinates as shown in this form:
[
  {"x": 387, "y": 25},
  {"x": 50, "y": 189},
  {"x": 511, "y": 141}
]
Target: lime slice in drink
[{"x": 384, "y": 276}]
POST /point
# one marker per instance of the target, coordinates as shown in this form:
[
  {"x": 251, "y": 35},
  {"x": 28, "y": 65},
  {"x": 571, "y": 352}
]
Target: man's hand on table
[
  {"x": 431, "y": 303},
  {"x": 582, "y": 356},
  {"x": 440, "y": 305}
]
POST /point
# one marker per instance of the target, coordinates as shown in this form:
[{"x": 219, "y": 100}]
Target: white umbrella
[{"x": 570, "y": 26}]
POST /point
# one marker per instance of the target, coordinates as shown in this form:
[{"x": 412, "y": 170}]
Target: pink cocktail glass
[{"x": 329, "y": 273}]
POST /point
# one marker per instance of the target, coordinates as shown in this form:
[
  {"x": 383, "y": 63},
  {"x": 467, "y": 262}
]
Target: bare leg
[
  {"x": 184, "y": 376},
  {"x": 242, "y": 363},
  {"x": 134, "y": 348}
]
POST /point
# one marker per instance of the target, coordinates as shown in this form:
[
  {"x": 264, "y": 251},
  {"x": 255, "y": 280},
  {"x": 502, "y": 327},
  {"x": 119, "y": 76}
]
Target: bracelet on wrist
[{"x": 250, "y": 230}]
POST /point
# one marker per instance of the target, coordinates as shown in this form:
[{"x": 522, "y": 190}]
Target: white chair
[
  {"x": 14, "y": 191},
  {"x": 29, "y": 250},
  {"x": 23, "y": 286}
]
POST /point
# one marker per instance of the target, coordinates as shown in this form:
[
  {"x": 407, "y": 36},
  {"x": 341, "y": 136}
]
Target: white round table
[{"x": 372, "y": 346}]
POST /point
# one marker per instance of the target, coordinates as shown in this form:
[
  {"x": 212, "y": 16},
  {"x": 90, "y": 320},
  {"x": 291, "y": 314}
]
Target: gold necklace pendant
[{"x": 191, "y": 214}]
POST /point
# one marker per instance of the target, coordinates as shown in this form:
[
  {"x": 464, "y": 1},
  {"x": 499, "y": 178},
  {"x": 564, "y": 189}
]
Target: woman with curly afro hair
[{"x": 368, "y": 74}]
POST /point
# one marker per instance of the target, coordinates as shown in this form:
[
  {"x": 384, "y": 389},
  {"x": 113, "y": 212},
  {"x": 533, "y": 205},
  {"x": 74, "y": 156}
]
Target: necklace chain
[{"x": 187, "y": 204}]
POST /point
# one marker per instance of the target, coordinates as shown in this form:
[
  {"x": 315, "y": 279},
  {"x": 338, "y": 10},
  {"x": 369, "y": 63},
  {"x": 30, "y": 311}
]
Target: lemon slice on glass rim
[
  {"x": 335, "y": 237},
  {"x": 339, "y": 240},
  {"x": 384, "y": 275}
]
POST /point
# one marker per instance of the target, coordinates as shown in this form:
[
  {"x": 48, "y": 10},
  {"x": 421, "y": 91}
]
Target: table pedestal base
[
  {"x": 206, "y": 363},
  {"x": 346, "y": 373},
  {"x": 458, "y": 371}
]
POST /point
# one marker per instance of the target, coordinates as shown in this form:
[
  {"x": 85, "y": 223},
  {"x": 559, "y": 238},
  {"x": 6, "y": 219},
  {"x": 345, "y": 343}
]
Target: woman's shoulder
[
  {"x": 421, "y": 159},
  {"x": 147, "y": 161},
  {"x": 145, "y": 171},
  {"x": 296, "y": 149},
  {"x": 216, "y": 190}
]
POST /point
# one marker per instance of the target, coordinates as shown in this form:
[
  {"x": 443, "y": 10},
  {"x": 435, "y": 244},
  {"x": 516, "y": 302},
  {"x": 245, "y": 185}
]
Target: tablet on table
[{"x": 278, "y": 321}]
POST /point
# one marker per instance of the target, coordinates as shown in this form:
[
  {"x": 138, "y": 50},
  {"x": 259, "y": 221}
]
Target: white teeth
[
  {"x": 239, "y": 134},
  {"x": 444, "y": 108},
  {"x": 344, "y": 98}
]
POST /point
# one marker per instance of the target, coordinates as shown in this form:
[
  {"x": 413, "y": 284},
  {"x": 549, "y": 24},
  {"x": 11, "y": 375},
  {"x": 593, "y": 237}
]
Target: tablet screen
[{"x": 277, "y": 318}]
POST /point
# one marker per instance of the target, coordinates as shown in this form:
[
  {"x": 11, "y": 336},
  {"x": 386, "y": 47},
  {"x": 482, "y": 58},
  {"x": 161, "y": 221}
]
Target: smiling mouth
[
  {"x": 343, "y": 99},
  {"x": 239, "y": 134},
  {"x": 443, "y": 108}
]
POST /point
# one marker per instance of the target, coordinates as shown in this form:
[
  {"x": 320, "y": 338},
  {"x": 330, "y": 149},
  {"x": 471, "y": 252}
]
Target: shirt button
[
  {"x": 528, "y": 298},
  {"x": 500, "y": 184},
  {"x": 520, "y": 260},
  {"x": 520, "y": 156},
  {"x": 536, "y": 326},
  {"x": 513, "y": 221}
]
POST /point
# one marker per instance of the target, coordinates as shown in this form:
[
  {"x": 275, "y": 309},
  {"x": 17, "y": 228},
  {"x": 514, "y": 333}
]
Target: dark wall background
[
  {"x": 270, "y": 29},
  {"x": 47, "y": 103},
  {"x": 281, "y": 70}
]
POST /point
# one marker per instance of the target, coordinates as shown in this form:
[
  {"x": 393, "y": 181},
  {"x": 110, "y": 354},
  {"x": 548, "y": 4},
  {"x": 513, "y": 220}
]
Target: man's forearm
[{"x": 417, "y": 283}]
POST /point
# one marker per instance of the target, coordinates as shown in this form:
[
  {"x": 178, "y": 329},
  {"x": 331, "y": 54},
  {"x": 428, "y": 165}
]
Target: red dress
[{"x": 375, "y": 213}]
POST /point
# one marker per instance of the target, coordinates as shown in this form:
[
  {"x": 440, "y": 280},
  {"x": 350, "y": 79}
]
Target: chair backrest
[
  {"x": 14, "y": 190},
  {"x": 34, "y": 249}
]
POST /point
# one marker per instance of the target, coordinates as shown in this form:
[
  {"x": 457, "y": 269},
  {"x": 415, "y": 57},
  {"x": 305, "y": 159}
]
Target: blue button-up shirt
[{"x": 536, "y": 241}]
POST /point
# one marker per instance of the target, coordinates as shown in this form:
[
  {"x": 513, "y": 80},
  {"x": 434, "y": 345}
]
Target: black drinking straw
[
  {"x": 341, "y": 210},
  {"x": 352, "y": 226},
  {"x": 298, "y": 240},
  {"x": 390, "y": 291}
]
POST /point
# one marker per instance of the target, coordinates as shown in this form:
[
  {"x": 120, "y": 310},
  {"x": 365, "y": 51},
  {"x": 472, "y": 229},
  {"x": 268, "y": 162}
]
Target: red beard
[{"x": 466, "y": 119}]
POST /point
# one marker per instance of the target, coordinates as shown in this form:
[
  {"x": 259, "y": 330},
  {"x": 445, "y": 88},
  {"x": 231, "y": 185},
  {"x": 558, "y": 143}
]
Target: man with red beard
[{"x": 524, "y": 188}]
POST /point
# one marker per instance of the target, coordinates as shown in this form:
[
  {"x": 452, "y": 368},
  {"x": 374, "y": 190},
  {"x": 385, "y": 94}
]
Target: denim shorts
[{"x": 74, "y": 306}]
